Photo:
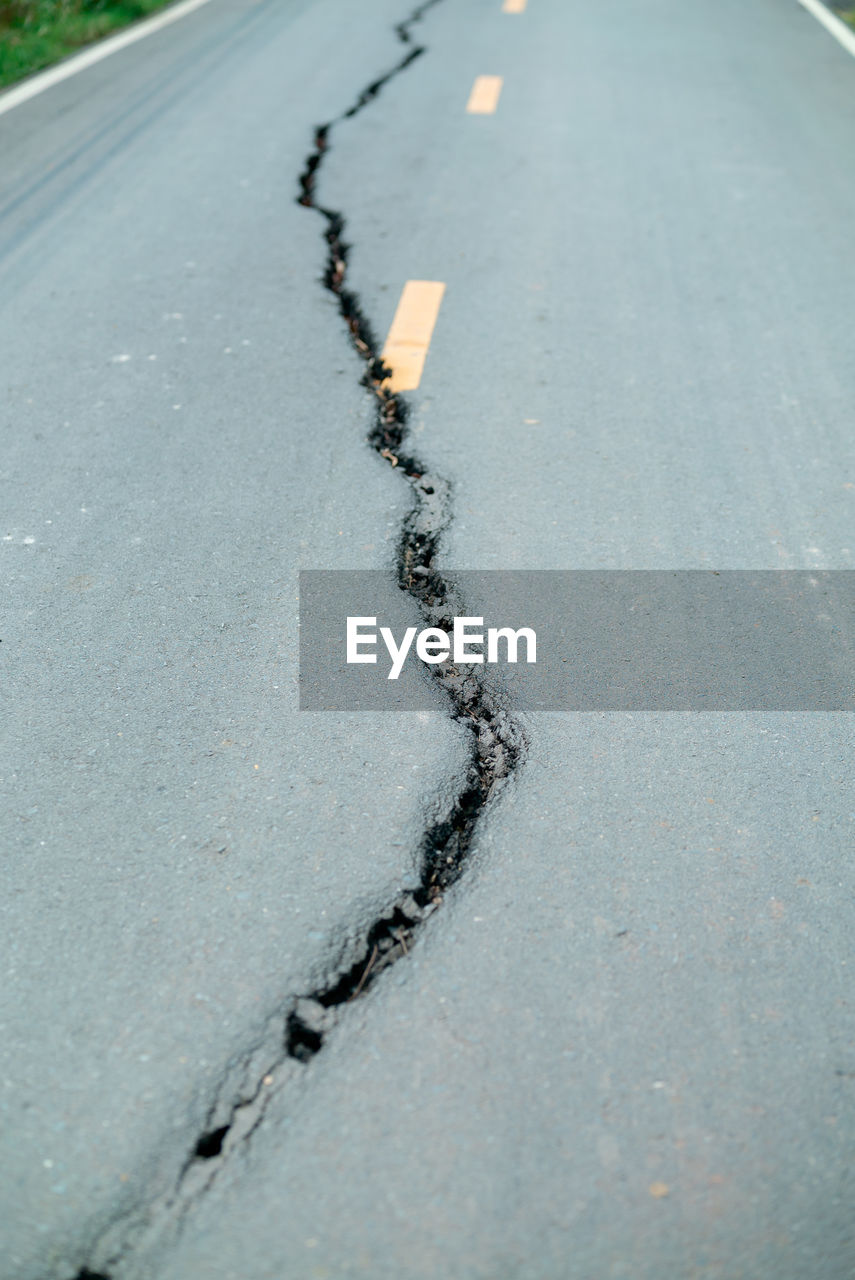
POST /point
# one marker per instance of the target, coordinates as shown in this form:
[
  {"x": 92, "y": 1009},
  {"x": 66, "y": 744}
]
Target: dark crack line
[
  {"x": 496, "y": 740},
  {"x": 496, "y": 748}
]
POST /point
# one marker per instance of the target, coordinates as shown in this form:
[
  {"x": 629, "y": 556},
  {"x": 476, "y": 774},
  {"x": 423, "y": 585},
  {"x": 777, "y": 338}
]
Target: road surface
[{"x": 623, "y": 1042}]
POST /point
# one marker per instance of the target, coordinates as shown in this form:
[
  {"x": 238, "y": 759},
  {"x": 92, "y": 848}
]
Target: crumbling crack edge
[{"x": 292, "y": 1036}]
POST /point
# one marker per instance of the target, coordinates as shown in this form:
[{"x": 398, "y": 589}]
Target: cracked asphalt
[{"x": 621, "y": 1043}]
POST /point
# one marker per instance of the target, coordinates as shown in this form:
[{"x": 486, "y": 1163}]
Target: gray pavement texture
[{"x": 625, "y": 1046}]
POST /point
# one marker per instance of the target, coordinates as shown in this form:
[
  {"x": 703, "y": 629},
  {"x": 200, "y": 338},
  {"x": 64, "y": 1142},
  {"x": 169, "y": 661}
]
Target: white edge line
[
  {"x": 88, "y": 57},
  {"x": 843, "y": 35}
]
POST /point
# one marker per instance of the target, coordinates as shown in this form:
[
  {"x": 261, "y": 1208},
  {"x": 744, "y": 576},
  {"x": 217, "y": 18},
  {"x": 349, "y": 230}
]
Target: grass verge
[
  {"x": 848, "y": 15},
  {"x": 36, "y": 33}
]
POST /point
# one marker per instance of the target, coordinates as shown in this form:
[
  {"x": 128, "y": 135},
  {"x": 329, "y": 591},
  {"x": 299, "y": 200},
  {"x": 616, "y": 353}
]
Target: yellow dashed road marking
[
  {"x": 513, "y": 6},
  {"x": 484, "y": 97},
  {"x": 409, "y": 338}
]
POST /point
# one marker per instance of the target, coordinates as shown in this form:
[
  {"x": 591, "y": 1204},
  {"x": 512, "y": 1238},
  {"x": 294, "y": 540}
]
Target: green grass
[
  {"x": 36, "y": 33},
  {"x": 848, "y": 15}
]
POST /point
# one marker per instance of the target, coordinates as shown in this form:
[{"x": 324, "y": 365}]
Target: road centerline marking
[
  {"x": 842, "y": 34},
  {"x": 408, "y": 339},
  {"x": 484, "y": 97},
  {"x": 514, "y": 6}
]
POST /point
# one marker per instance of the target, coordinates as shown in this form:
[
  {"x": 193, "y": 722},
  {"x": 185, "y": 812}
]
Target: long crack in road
[{"x": 497, "y": 749}]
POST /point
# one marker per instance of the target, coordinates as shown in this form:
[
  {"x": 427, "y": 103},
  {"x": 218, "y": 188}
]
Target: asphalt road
[{"x": 624, "y": 1046}]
